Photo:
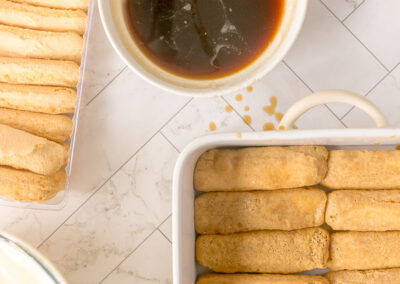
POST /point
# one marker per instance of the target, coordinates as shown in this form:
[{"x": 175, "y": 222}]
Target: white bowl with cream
[
  {"x": 115, "y": 21},
  {"x": 21, "y": 264}
]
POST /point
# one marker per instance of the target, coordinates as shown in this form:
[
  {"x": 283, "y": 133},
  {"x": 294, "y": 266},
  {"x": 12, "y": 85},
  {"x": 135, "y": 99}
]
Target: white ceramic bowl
[
  {"x": 114, "y": 17},
  {"x": 20, "y": 260}
]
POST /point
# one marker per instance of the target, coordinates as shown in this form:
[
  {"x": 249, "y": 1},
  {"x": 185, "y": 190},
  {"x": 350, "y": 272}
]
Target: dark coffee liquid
[{"x": 204, "y": 39}]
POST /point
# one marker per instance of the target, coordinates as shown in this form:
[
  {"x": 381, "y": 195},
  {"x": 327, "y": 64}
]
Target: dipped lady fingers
[
  {"x": 231, "y": 212},
  {"x": 363, "y": 210},
  {"x": 41, "y": 18},
  {"x": 53, "y": 127},
  {"x": 39, "y": 72},
  {"x": 20, "y": 42},
  {"x": 264, "y": 251},
  {"x": 361, "y": 169},
  {"x": 260, "y": 168},
  {"x": 22, "y": 150},
  {"x": 62, "y": 4},
  {"x": 260, "y": 279},
  {"x": 364, "y": 250},
  {"x": 45, "y": 99},
  {"x": 379, "y": 276},
  {"x": 26, "y": 186}
]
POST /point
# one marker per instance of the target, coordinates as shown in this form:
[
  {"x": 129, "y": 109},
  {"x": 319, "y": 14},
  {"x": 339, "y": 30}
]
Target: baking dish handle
[{"x": 332, "y": 96}]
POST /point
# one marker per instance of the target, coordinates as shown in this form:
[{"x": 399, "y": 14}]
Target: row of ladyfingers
[
  {"x": 40, "y": 50},
  {"x": 379, "y": 276},
  {"x": 298, "y": 250},
  {"x": 266, "y": 168},
  {"x": 291, "y": 209}
]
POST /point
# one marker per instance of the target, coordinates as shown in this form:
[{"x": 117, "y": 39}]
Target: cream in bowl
[
  {"x": 20, "y": 264},
  {"x": 202, "y": 47}
]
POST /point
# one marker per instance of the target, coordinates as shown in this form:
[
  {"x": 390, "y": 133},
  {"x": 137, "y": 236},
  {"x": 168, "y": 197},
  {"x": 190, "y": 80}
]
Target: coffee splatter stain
[
  {"x": 238, "y": 98},
  {"x": 246, "y": 108},
  {"x": 249, "y": 89},
  {"x": 281, "y": 127},
  {"x": 278, "y": 116},
  {"x": 271, "y": 108},
  {"x": 212, "y": 126},
  {"x": 377, "y": 143},
  {"x": 247, "y": 119},
  {"x": 228, "y": 108},
  {"x": 239, "y": 135},
  {"x": 295, "y": 127},
  {"x": 268, "y": 126}
]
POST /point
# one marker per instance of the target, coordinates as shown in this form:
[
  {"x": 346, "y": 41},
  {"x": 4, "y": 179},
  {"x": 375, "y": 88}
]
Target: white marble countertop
[{"x": 116, "y": 227}]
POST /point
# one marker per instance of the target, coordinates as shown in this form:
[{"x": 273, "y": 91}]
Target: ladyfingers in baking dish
[
  {"x": 364, "y": 250},
  {"x": 260, "y": 168},
  {"x": 264, "y": 251},
  {"x": 361, "y": 169},
  {"x": 231, "y": 212},
  {"x": 379, "y": 276},
  {"x": 259, "y": 279},
  {"x": 363, "y": 210}
]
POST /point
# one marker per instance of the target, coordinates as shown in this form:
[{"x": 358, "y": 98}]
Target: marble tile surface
[
  {"x": 327, "y": 56},
  {"x": 116, "y": 226}
]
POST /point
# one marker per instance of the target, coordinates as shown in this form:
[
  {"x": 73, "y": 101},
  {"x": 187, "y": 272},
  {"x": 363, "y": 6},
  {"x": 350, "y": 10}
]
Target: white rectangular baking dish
[
  {"x": 59, "y": 201},
  {"x": 185, "y": 269}
]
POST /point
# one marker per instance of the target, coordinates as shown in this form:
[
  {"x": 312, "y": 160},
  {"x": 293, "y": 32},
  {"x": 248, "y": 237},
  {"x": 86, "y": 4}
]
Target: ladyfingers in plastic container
[{"x": 42, "y": 64}]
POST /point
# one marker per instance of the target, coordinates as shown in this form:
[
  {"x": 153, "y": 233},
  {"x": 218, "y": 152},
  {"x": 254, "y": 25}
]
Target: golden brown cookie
[
  {"x": 41, "y": 18},
  {"x": 362, "y": 169},
  {"x": 260, "y": 168},
  {"x": 22, "y": 150},
  {"x": 260, "y": 279},
  {"x": 264, "y": 251},
  {"x": 364, "y": 250},
  {"x": 232, "y": 212},
  {"x": 26, "y": 186}
]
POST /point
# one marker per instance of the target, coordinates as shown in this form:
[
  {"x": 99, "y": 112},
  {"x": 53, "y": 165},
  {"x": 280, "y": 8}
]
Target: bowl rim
[
  {"x": 46, "y": 265},
  {"x": 112, "y": 34}
]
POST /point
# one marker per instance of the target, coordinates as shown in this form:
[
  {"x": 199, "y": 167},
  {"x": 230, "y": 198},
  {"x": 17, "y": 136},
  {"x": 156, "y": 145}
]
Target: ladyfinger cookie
[
  {"x": 379, "y": 276},
  {"x": 41, "y": 18},
  {"x": 364, "y": 250},
  {"x": 363, "y": 210},
  {"x": 362, "y": 169},
  {"x": 264, "y": 251},
  {"x": 260, "y": 168},
  {"x": 213, "y": 278},
  {"x": 45, "y": 99},
  {"x": 21, "y": 42},
  {"x": 39, "y": 72},
  {"x": 62, "y": 4},
  {"x": 51, "y": 126},
  {"x": 232, "y": 212},
  {"x": 22, "y": 150},
  {"x": 26, "y": 186}
]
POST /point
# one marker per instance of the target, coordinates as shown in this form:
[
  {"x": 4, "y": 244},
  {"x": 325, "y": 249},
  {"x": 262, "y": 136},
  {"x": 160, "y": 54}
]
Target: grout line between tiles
[
  {"x": 329, "y": 109},
  {"x": 102, "y": 89},
  {"x": 161, "y": 232},
  {"x": 113, "y": 174},
  {"x": 351, "y": 13},
  {"x": 135, "y": 249},
  {"x": 347, "y": 28},
  {"x": 373, "y": 88},
  {"x": 241, "y": 117},
  {"x": 169, "y": 141}
]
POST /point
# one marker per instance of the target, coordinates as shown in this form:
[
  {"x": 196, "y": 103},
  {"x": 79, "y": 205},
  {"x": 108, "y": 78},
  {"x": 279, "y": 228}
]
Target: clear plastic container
[{"x": 59, "y": 201}]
